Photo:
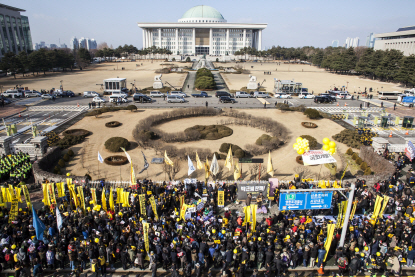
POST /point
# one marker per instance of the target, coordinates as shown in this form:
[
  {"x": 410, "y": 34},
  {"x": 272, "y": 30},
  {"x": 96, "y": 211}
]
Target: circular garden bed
[
  {"x": 309, "y": 125},
  {"x": 116, "y": 160},
  {"x": 112, "y": 124},
  {"x": 76, "y": 132},
  {"x": 299, "y": 159},
  {"x": 114, "y": 144}
]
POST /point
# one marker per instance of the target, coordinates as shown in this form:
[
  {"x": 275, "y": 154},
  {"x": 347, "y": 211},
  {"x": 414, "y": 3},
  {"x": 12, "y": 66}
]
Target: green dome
[{"x": 202, "y": 12}]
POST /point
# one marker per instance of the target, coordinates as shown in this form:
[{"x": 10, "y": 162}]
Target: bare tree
[
  {"x": 102, "y": 45},
  {"x": 254, "y": 171},
  {"x": 171, "y": 171},
  {"x": 303, "y": 172}
]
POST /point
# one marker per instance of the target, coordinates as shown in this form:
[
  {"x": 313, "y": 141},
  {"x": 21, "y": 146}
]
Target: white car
[
  {"x": 98, "y": 100},
  {"x": 114, "y": 99},
  {"x": 12, "y": 93},
  {"x": 178, "y": 93},
  {"x": 242, "y": 94},
  {"x": 306, "y": 96},
  {"x": 260, "y": 94},
  {"x": 285, "y": 96},
  {"x": 156, "y": 94},
  {"x": 32, "y": 93},
  {"x": 47, "y": 96},
  {"x": 90, "y": 94},
  {"x": 343, "y": 96}
]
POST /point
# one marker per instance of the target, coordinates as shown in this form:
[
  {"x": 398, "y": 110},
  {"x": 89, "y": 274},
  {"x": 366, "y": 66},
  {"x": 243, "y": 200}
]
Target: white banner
[{"x": 314, "y": 157}]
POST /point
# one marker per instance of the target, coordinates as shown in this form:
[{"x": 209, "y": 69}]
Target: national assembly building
[{"x": 202, "y": 30}]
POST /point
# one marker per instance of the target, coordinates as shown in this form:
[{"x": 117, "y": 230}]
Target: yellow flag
[
  {"x": 18, "y": 194},
  {"x": 236, "y": 171},
  {"x": 154, "y": 207},
  {"x": 167, "y": 159},
  {"x": 384, "y": 204},
  {"x": 207, "y": 171},
  {"x": 330, "y": 234},
  {"x": 58, "y": 187},
  {"x": 27, "y": 197},
  {"x": 254, "y": 209},
  {"x": 199, "y": 164},
  {"x": 11, "y": 190},
  {"x": 248, "y": 213},
  {"x": 45, "y": 195},
  {"x": 229, "y": 159},
  {"x": 94, "y": 196},
  {"x": 111, "y": 201},
  {"x": 132, "y": 175},
  {"x": 378, "y": 205},
  {"x": 270, "y": 168},
  {"x": 118, "y": 196},
  {"x": 103, "y": 200}
]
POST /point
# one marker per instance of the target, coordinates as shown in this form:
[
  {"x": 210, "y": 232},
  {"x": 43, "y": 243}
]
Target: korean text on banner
[
  {"x": 142, "y": 199},
  {"x": 154, "y": 207},
  {"x": 254, "y": 209},
  {"x": 51, "y": 192},
  {"x": 81, "y": 196},
  {"x": 314, "y": 157},
  {"x": 145, "y": 233},
  {"x": 221, "y": 198},
  {"x": 13, "y": 210},
  {"x": 27, "y": 197}
]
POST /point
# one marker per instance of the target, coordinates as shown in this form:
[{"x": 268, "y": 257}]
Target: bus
[{"x": 388, "y": 95}]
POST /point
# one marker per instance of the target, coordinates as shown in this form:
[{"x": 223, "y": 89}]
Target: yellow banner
[
  {"x": 11, "y": 191},
  {"x": 221, "y": 198},
  {"x": 45, "y": 195},
  {"x": 1, "y": 196},
  {"x": 245, "y": 214},
  {"x": 51, "y": 192},
  {"x": 94, "y": 196},
  {"x": 127, "y": 199},
  {"x": 69, "y": 181},
  {"x": 254, "y": 209},
  {"x": 353, "y": 210},
  {"x": 14, "y": 209},
  {"x": 8, "y": 196},
  {"x": 181, "y": 201},
  {"x": 81, "y": 196},
  {"x": 339, "y": 217},
  {"x": 145, "y": 233},
  {"x": 111, "y": 200},
  {"x": 378, "y": 205},
  {"x": 344, "y": 210},
  {"x": 118, "y": 201},
  {"x": 4, "y": 195},
  {"x": 183, "y": 211},
  {"x": 18, "y": 194},
  {"x": 217, "y": 241},
  {"x": 103, "y": 200},
  {"x": 248, "y": 213},
  {"x": 153, "y": 205},
  {"x": 27, "y": 197},
  {"x": 62, "y": 189},
  {"x": 384, "y": 204},
  {"x": 142, "y": 199},
  {"x": 327, "y": 244},
  {"x": 73, "y": 193},
  {"x": 59, "y": 188}
]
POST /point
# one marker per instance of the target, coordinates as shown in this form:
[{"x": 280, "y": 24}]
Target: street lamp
[{"x": 61, "y": 85}]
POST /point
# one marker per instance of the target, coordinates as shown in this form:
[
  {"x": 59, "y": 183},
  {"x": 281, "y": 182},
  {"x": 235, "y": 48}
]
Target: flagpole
[{"x": 98, "y": 170}]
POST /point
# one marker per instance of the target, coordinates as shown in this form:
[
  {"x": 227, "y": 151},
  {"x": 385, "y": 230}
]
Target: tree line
[
  {"x": 124, "y": 51},
  {"x": 44, "y": 60}
]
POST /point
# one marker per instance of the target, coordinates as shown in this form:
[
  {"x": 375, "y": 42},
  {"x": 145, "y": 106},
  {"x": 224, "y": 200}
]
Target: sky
[{"x": 294, "y": 23}]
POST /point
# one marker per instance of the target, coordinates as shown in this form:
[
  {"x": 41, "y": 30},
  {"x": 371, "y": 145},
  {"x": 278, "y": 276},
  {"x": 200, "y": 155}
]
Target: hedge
[
  {"x": 349, "y": 151},
  {"x": 355, "y": 156},
  {"x": 61, "y": 163},
  {"x": 114, "y": 144},
  {"x": 112, "y": 124},
  {"x": 76, "y": 132},
  {"x": 312, "y": 113},
  {"x": 66, "y": 158},
  {"x": 210, "y": 132},
  {"x": 70, "y": 153},
  {"x": 368, "y": 171},
  {"x": 363, "y": 166},
  {"x": 312, "y": 142},
  {"x": 237, "y": 151},
  {"x": 359, "y": 161}
]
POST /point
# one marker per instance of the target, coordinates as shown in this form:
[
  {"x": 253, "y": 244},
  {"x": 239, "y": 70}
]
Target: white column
[
  {"x": 159, "y": 37},
  {"x": 227, "y": 39},
  {"x": 210, "y": 42},
  {"x": 194, "y": 41},
  {"x": 144, "y": 38},
  {"x": 177, "y": 40},
  {"x": 244, "y": 39},
  {"x": 147, "y": 42},
  {"x": 151, "y": 37},
  {"x": 260, "y": 40}
]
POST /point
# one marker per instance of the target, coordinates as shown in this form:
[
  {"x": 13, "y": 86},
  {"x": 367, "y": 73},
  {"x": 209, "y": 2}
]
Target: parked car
[
  {"x": 47, "y": 96},
  {"x": 91, "y": 94},
  {"x": 242, "y": 94},
  {"x": 141, "y": 98},
  {"x": 201, "y": 94},
  {"x": 332, "y": 97},
  {"x": 178, "y": 93},
  {"x": 156, "y": 94},
  {"x": 175, "y": 99},
  {"x": 322, "y": 99},
  {"x": 285, "y": 96},
  {"x": 119, "y": 94},
  {"x": 67, "y": 93},
  {"x": 222, "y": 93},
  {"x": 98, "y": 99},
  {"x": 6, "y": 100},
  {"x": 114, "y": 99},
  {"x": 14, "y": 93},
  {"x": 261, "y": 94},
  {"x": 32, "y": 93},
  {"x": 305, "y": 95},
  {"x": 345, "y": 96},
  {"x": 226, "y": 99}
]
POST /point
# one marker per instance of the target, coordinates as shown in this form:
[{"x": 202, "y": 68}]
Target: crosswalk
[
  {"x": 263, "y": 101},
  {"x": 346, "y": 109},
  {"x": 74, "y": 108}
]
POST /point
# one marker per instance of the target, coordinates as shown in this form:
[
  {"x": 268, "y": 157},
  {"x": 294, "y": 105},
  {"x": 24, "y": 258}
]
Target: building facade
[
  {"x": 14, "y": 31},
  {"x": 335, "y": 43},
  {"x": 351, "y": 42},
  {"x": 74, "y": 44},
  {"x": 403, "y": 39},
  {"x": 370, "y": 40},
  {"x": 202, "y": 30}
]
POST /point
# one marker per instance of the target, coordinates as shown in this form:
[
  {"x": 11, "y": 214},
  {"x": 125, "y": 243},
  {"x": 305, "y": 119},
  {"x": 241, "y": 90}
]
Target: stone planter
[
  {"x": 299, "y": 159},
  {"x": 309, "y": 125},
  {"x": 76, "y": 132},
  {"x": 112, "y": 124},
  {"x": 116, "y": 160}
]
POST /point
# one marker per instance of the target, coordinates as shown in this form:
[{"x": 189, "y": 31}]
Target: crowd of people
[
  {"x": 15, "y": 167},
  {"x": 113, "y": 234}
]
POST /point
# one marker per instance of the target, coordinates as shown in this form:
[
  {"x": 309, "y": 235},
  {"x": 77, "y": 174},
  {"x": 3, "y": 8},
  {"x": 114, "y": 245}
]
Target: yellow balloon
[
  {"x": 332, "y": 144},
  {"x": 326, "y": 140},
  {"x": 325, "y": 147},
  {"x": 300, "y": 151},
  {"x": 298, "y": 140},
  {"x": 295, "y": 145}
]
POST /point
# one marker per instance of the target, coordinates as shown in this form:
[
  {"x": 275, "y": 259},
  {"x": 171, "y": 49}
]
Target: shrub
[
  {"x": 87, "y": 176},
  {"x": 209, "y": 132},
  {"x": 359, "y": 161},
  {"x": 61, "y": 163},
  {"x": 363, "y": 166},
  {"x": 131, "y": 107},
  {"x": 312, "y": 113},
  {"x": 114, "y": 144},
  {"x": 205, "y": 82},
  {"x": 349, "y": 151},
  {"x": 239, "y": 153},
  {"x": 312, "y": 142},
  {"x": 66, "y": 158},
  {"x": 112, "y": 124},
  {"x": 217, "y": 59},
  {"x": 95, "y": 113},
  {"x": 68, "y": 141},
  {"x": 57, "y": 170},
  {"x": 70, "y": 153},
  {"x": 76, "y": 132},
  {"x": 367, "y": 171},
  {"x": 188, "y": 60},
  {"x": 262, "y": 138},
  {"x": 355, "y": 156}
]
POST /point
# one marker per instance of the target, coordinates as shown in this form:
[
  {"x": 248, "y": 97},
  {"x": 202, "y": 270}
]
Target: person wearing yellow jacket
[{"x": 102, "y": 264}]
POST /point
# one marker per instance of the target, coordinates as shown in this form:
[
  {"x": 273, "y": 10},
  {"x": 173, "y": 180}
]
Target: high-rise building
[
  {"x": 351, "y": 42},
  {"x": 63, "y": 45},
  {"x": 91, "y": 44},
  {"x": 15, "y": 33},
  {"x": 74, "y": 44},
  {"x": 53, "y": 46},
  {"x": 83, "y": 43},
  {"x": 335, "y": 43},
  {"x": 370, "y": 40}
]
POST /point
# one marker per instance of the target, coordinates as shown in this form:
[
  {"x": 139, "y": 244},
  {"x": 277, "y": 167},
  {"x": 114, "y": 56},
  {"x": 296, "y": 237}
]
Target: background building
[
  {"x": 370, "y": 40},
  {"x": 403, "y": 39},
  {"x": 74, "y": 44},
  {"x": 351, "y": 42},
  {"x": 14, "y": 31},
  {"x": 335, "y": 43},
  {"x": 202, "y": 30}
]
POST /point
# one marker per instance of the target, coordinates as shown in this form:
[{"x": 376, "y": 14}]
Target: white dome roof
[{"x": 202, "y": 14}]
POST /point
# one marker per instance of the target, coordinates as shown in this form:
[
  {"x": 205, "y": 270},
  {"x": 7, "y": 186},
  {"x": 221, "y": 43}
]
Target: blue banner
[
  {"x": 305, "y": 200},
  {"x": 38, "y": 225}
]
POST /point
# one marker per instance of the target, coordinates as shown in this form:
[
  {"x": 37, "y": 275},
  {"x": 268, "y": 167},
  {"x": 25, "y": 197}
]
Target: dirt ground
[
  {"x": 312, "y": 77},
  {"x": 283, "y": 159},
  {"x": 86, "y": 80}
]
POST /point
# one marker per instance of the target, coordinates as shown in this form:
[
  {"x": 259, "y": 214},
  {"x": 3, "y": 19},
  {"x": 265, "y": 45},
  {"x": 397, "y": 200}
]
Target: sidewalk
[{"x": 10, "y": 110}]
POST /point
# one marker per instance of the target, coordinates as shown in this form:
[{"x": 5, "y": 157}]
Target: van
[
  {"x": 114, "y": 99},
  {"x": 156, "y": 94},
  {"x": 260, "y": 94},
  {"x": 242, "y": 94},
  {"x": 222, "y": 93},
  {"x": 175, "y": 99},
  {"x": 90, "y": 94},
  {"x": 119, "y": 94}
]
